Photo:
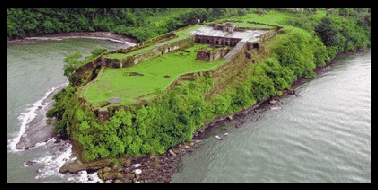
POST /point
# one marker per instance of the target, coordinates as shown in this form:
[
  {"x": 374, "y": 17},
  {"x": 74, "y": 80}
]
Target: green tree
[{"x": 71, "y": 63}]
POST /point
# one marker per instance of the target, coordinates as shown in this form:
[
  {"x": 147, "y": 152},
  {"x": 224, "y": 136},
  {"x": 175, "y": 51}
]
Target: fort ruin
[{"x": 225, "y": 42}]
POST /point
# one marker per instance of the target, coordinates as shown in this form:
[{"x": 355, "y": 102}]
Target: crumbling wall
[
  {"x": 211, "y": 55},
  {"x": 216, "y": 40},
  {"x": 253, "y": 45},
  {"x": 103, "y": 114},
  {"x": 228, "y": 27},
  {"x": 226, "y": 73},
  {"x": 267, "y": 36},
  {"x": 157, "y": 51},
  {"x": 112, "y": 63},
  {"x": 202, "y": 55},
  {"x": 158, "y": 39}
]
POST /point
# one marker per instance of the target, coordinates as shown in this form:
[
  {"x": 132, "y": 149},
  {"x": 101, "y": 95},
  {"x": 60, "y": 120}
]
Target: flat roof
[{"x": 247, "y": 36}]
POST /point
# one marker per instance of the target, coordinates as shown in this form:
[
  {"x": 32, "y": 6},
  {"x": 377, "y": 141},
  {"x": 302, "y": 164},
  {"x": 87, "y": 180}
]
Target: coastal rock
[
  {"x": 90, "y": 179},
  {"x": 117, "y": 181},
  {"x": 291, "y": 92},
  {"x": 114, "y": 100},
  {"x": 171, "y": 152},
  {"x": 106, "y": 169},
  {"x": 111, "y": 176},
  {"x": 30, "y": 163},
  {"x": 273, "y": 102}
]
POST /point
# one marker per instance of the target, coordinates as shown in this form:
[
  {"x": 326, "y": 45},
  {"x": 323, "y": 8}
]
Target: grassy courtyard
[
  {"x": 145, "y": 79},
  {"x": 181, "y": 35}
]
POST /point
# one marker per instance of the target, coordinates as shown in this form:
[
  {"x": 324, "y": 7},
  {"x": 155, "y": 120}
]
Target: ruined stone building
[{"x": 228, "y": 27}]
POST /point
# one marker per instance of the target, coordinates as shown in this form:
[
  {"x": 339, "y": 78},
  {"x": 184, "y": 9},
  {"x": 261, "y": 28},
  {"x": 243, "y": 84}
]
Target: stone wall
[
  {"x": 253, "y": 45},
  {"x": 267, "y": 36},
  {"x": 224, "y": 74},
  {"x": 228, "y": 27},
  {"x": 156, "y": 40},
  {"x": 112, "y": 63},
  {"x": 216, "y": 40},
  {"x": 155, "y": 52},
  {"x": 211, "y": 55}
]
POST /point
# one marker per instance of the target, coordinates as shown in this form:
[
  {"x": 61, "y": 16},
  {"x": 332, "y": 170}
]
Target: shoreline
[{"x": 107, "y": 36}]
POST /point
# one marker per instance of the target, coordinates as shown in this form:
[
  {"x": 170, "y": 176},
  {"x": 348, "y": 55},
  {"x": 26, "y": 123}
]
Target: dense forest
[
  {"x": 310, "y": 41},
  {"x": 139, "y": 23}
]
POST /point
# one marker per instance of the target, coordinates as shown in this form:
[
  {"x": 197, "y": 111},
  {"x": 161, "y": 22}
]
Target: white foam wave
[
  {"x": 36, "y": 38},
  {"x": 27, "y": 116},
  {"x": 111, "y": 39},
  {"x": 43, "y": 38},
  {"x": 92, "y": 37},
  {"x": 275, "y": 107},
  {"x": 44, "y": 143},
  {"x": 83, "y": 177},
  {"x": 52, "y": 162},
  {"x": 61, "y": 154}
]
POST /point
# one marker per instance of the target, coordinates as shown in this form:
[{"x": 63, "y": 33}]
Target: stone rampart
[
  {"x": 216, "y": 40},
  {"x": 155, "y": 52},
  {"x": 267, "y": 36}
]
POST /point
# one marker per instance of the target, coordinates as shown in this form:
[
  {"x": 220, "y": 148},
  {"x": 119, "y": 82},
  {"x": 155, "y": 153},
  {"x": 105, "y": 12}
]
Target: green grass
[
  {"x": 118, "y": 83},
  {"x": 116, "y": 55},
  {"x": 247, "y": 25},
  {"x": 184, "y": 33},
  {"x": 270, "y": 18}
]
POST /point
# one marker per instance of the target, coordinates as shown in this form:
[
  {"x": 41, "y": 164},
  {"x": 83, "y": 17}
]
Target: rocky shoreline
[{"x": 149, "y": 169}]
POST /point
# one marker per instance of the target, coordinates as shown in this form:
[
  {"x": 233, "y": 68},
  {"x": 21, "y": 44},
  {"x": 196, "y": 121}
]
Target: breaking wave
[{"x": 28, "y": 115}]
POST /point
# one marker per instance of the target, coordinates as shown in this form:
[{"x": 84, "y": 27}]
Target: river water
[{"x": 321, "y": 135}]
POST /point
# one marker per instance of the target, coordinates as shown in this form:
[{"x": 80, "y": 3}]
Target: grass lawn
[
  {"x": 184, "y": 33},
  {"x": 118, "y": 82},
  {"x": 116, "y": 55},
  {"x": 270, "y": 17}
]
